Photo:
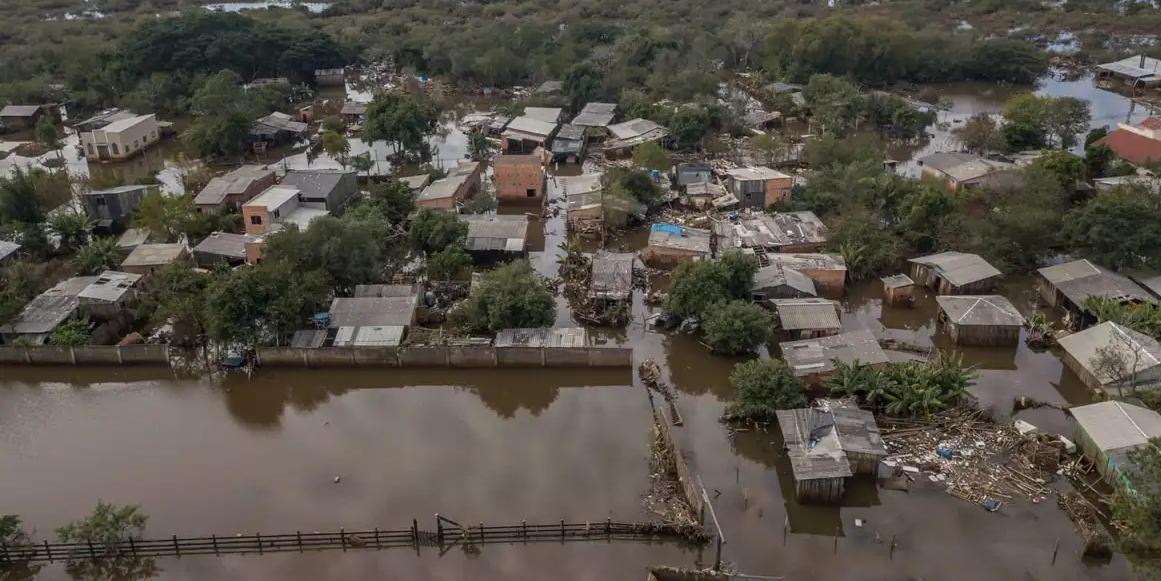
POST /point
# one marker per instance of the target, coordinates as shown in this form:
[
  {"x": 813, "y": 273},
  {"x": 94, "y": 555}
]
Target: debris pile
[
  {"x": 650, "y": 374},
  {"x": 576, "y": 283},
  {"x": 977, "y": 459},
  {"x": 1097, "y": 541},
  {"x": 666, "y": 498}
]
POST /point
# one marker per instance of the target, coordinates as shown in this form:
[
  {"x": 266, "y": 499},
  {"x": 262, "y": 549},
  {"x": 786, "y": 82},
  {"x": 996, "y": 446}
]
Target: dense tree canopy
[{"x": 512, "y": 296}]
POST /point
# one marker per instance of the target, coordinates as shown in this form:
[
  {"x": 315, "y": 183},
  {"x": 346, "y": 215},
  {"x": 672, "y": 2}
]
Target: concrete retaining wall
[
  {"x": 468, "y": 357},
  {"x": 85, "y": 355}
]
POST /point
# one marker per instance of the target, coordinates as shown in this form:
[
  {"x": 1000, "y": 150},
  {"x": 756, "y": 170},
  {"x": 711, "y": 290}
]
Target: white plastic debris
[
  {"x": 911, "y": 469},
  {"x": 858, "y": 522},
  {"x": 337, "y": 479},
  {"x": 1069, "y": 446},
  {"x": 1025, "y": 428}
]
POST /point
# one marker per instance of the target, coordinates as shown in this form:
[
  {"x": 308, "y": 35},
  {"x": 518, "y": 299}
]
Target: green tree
[
  {"x": 868, "y": 248},
  {"x": 99, "y": 255},
  {"x": 633, "y": 184},
  {"x": 582, "y": 83},
  {"x": 20, "y": 200},
  {"x": 393, "y": 199},
  {"x": 761, "y": 388},
  {"x": 167, "y": 218},
  {"x": 981, "y": 135},
  {"x": 264, "y": 304},
  {"x": 335, "y": 144},
  {"x": 71, "y": 333},
  {"x": 834, "y": 103},
  {"x": 347, "y": 252},
  {"x": 698, "y": 285},
  {"x": 650, "y": 155},
  {"x": 736, "y": 327},
  {"x": 1067, "y": 168},
  {"x": 448, "y": 263},
  {"x": 362, "y": 164},
  {"x": 224, "y": 115},
  {"x": 511, "y": 296},
  {"x": 432, "y": 231},
  {"x": 1119, "y": 229},
  {"x": 106, "y": 528},
  {"x": 1137, "y": 502},
  {"x": 772, "y": 147},
  {"x": 72, "y": 228},
  {"x": 479, "y": 147},
  {"x": 178, "y": 294},
  {"x": 691, "y": 122},
  {"x": 48, "y": 135},
  {"x": 1098, "y": 157},
  {"x": 1025, "y": 122},
  {"x": 402, "y": 120},
  {"x": 1065, "y": 118}
]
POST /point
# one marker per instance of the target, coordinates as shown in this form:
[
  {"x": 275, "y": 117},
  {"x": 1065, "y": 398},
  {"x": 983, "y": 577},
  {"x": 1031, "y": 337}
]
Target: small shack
[
  {"x": 542, "y": 337},
  {"x": 980, "y": 319},
  {"x": 149, "y": 258},
  {"x": 813, "y": 359},
  {"x": 816, "y": 456},
  {"x": 223, "y": 248},
  {"x": 595, "y": 119},
  {"x": 1108, "y": 431},
  {"x": 858, "y": 435},
  {"x": 898, "y": 290},
  {"x": 778, "y": 282},
  {"x": 828, "y": 271},
  {"x": 807, "y": 318},
  {"x": 526, "y": 134},
  {"x": 612, "y": 276},
  {"x": 670, "y": 244},
  {"x": 631, "y": 133},
  {"x": 496, "y": 238},
  {"x": 569, "y": 144},
  {"x": 954, "y": 273},
  {"x": 1110, "y": 356},
  {"x": 1137, "y": 71},
  {"x": 778, "y": 232},
  {"x": 1067, "y": 286}
]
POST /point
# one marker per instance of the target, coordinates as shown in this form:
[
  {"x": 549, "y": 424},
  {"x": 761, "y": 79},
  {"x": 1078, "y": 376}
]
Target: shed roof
[
  {"x": 897, "y": 281},
  {"x": 963, "y": 167},
  {"x": 496, "y": 233},
  {"x": 226, "y": 244},
  {"x": 278, "y": 121},
  {"x": 542, "y": 337},
  {"x": 596, "y": 115},
  {"x": 274, "y": 197},
  {"x": 110, "y": 286},
  {"x": 550, "y": 87},
  {"x": 633, "y": 128},
  {"x": 777, "y": 275},
  {"x": 566, "y": 186},
  {"x": 807, "y": 261},
  {"x": 857, "y": 430},
  {"x": 133, "y": 237},
  {"x": 308, "y": 339},
  {"x": 235, "y": 182},
  {"x": 958, "y": 268},
  {"x": 771, "y": 230},
  {"x": 680, "y": 237},
  {"x": 50, "y": 308},
  {"x": 1116, "y": 425},
  {"x": 1080, "y": 279},
  {"x": 116, "y": 191},
  {"x": 1131, "y": 67},
  {"x": 1133, "y": 347},
  {"x": 613, "y": 275},
  {"x": 19, "y": 110},
  {"x": 752, "y": 173},
  {"x": 981, "y": 310},
  {"x": 352, "y": 108},
  {"x": 545, "y": 114},
  {"x": 807, "y": 314},
  {"x": 154, "y": 254},
  {"x": 373, "y": 311},
  {"x": 386, "y": 290},
  {"x": 530, "y": 126},
  {"x": 416, "y": 182},
  {"x": 317, "y": 183},
  {"x": 818, "y": 355},
  {"x": 8, "y": 248},
  {"x": 379, "y": 336},
  {"x": 813, "y": 445},
  {"x": 444, "y": 188}
]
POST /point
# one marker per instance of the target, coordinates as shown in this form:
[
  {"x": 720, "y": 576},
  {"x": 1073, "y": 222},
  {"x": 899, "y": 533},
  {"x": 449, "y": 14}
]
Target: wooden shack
[
  {"x": 858, "y": 435},
  {"x": 807, "y": 318},
  {"x": 954, "y": 273},
  {"x": 898, "y": 290},
  {"x": 1066, "y": 287},
  {"x": 816, "y": 457},
  {"x": 980, "y": 319}
]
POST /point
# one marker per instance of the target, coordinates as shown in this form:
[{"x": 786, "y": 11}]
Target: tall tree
[
  {"x": 1119, "y": 229},
  {"x": 168, "y": 217},
  {"x": 224, "y": 114},
  {"x": 432, "y": 231},
  {"x": 512, "y": 296},
  {"x": 834, "y": 103},
  {"x": 336, "y": 146},
  {"x": 401, "y": 119}
]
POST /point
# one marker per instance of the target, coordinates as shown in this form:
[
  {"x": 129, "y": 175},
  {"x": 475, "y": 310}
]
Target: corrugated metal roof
[
  {"x": 545, "y": 114},
  {"x": 226, "y": 244},
  {"x": 818, "y": 355},
  {"x": 753, "y": 173},
  {"x": 154, "y": 254},
  {"x": 1131, "y": 67},
  {"x": 531, "y": 126},
  {"x": 110, "y": 286},
  {"x": 680, "y": 237},
  {"x": 1080, "y": 279},
  {"x": 308, "y": 339},
  {"x": 986, "y": 310},
  {"x": 19, "y": 110},
  {"x": 633, "y": 128},
  {"x": 379, "y": 336},
  {"x": 812, "y": 444},
  {"x": 499, "y": 232},
  {"x": 612, "y": 275},
  {"x": 7, "y": 249},
  {"x": 807, "y": 314},
  {"x": 771, "y": 230},
  {"x": 958, "y": 268},
  {"x": 777, "y": 275},
  {"x": 374, "y": 311},
  {"x": 1116, "y": 425},
  {"x": 542, "y": 337},
  {"x": 897, "y": 281},
  {"x": 1132, "y": 346}
]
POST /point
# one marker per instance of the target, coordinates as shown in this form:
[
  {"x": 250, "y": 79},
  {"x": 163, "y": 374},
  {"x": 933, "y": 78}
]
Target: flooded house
[
  {"x": 676, "y": 574},
  {"x": 1110, "y": 358},
  {"x": 1108, "y": 432},
  {"x": 828, "y": 444},
  {"x": 583, "y": 196},
  {"x": 779, "y": 232},
  {"x": 45, "y": 312},
  {"x": 690, "y": 173},
  {"x": 1139, "y": 145},
  {"x": 1067, "y": 286},
  {"x": 703, "y": 195},
  {"x": 110, "y": 296},
  {"x": 118, "y": 136},
  {"x": 612, "y": 276},
  {"x": 335, "y": 77},
  {"x": 353, "y": 113},
  {"x": 112, "y": 210},
  {"x": 828, "y": 271},
  {"x": 23, "y": 117},
  {"x": 229, "y": 191},
  {"x": 326, "y": 189},
  {"x": 758, "y": 187},
  {"x": 569, "y": 144},
  {"x": 542, "y": 337},
  {"x": 415, "y": 183},
  {"x": 954, "y": 273},
  {"x": 623, "y": 137},
  {"x": 276, "y": 207},
  {"x": 526, "y": 134},
  {"x": 984, "y": 320},
  {"x": 147, "y": 259},
  {"x": 553, "y": 115},
  {"x": 372, "y": 321},
  {"x": 670, "y": 244},
  {"x": 807, "y": 318},
  {"x": 519, "y": 177},
  {"x": 276, "y": 128},
  {"x": 965, "y": 170},
  {"x": 594, "y": 119},
  {"x": 1139, "y": 71},
  {"x": 779, "y": 282},
  {"x": 898, "y": 290},
  {"x": 813, "y": 359},
  {"x": 496, "y": 238},
  {"x": 449, "y": 192},
  {"x": 223, "y": 248}
]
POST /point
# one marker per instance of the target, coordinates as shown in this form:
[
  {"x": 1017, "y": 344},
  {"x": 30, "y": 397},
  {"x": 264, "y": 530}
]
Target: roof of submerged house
[
  {"x": 985, "y": 310},
  {"x": 679, "y": 237},
  {"x": 771, "y": 230},
  {"x": 1116, "y": 425},
  {"x": 778, "y": 275},
  {"x": 1080, "y": 279},
  {"x": 813, "y": 444},
  {"x": 807, "y": 314},
  {"x": 1139, "y": 351},
  {"x": 818, "y": 355},
  {"x": 496, "y": 233},
  {"x": 958, "y": 268}
]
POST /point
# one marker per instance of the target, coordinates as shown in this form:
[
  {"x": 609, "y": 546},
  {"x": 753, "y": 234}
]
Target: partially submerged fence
[
  {"x": 472, "y": 356},
  {"x": 144, "y": 354},
  {"x": 447, "y": 534}
]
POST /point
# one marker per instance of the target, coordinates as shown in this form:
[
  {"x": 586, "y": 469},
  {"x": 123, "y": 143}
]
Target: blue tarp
[{"x": 670, "y": 228}]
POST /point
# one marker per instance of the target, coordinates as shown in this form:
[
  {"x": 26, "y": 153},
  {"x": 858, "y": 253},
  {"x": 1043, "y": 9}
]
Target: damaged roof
[
  {"x": 680, "y": 237},
  {"x": 812, "y": 444},
  {"x": 818, "y": 355},
  {"x": 958, "y": 268},
  {"x": 772, "y": 230},
  {"x": 981, "y": 310},
  {"x": 777, "y": 275},
  {"x": 612, "y": 275},
  {"x": 1080, "y": 279}
]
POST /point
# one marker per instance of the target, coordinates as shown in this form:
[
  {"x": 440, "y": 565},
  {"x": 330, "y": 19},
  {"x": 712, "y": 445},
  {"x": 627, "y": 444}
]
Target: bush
[
  {"x": 736, "y": 327},
  {"x": 511, "y": 296},
  {"x": 697, "y": 285},
  {"x": 761, "y": 388}
]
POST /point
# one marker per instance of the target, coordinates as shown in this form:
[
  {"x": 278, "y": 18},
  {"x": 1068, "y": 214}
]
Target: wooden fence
[{"x": 447, "y": 533}]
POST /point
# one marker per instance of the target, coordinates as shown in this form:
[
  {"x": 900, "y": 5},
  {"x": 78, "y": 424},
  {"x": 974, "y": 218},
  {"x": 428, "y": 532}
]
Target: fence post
[
  {"x": 132, "y": 546},
  {"x": 258, "y": 537},
  {"x": 48, "y": 550},
  {"x": 415, "y": 532},
  {"x": 377, "y": 538},
  {"x": 608, "y": 529},
  {"x": 524, "y": 526},
  {"x": 718, "y": 555},
  {"x": 438, "y": 530},
  {"x": 343, "y": 539},
  {"x": 481, "y": 532},
  {"x": 176, "y": 548},
  {"x": 299, "y": 535},
  {"x": 92, "y": 551},
  {"x": 1055, "y": 550},
  {"x": 4, "y": 548},
  {"x": 215, "y": 537},
  {"x": 892, "y": 554},
  {"x": 836, "y": 534},
  {"x": 562, "y": 529}
]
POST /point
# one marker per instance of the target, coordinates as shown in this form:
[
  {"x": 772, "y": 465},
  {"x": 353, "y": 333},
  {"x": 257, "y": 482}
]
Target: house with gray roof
[
  {"x": 629, "y": 134},
  {"x": 954, "y": 273},
  {"x": 965, "y": 170},
  {"x": 322, "y": 189},
  {"x": 112, "y": 209},
  {"x": 778, "y": 232},
  {"x": 231, "y": 190},
  {"x": 980, "y": 319},
  {"x": 807, "y": 318},
  {"x": 223, "y": 248},
  {"x": 1108, "y": 432},
  {"x": 44, "y": 313},
  {"x": 780, "y": 282},
  {"x": 493, "y": 238},
  {"x": 111, "y": 295},
  {"x": 21, "y": 117},
  {"x": 813, "y": 359},
  {"x": 1067, "y": 286},
  {"x": 1111, "y": 358}
]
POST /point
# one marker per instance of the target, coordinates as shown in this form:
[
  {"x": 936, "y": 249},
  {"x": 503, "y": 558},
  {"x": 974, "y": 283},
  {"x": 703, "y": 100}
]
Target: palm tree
[
  {"x": 100, "y": 254},
  {"x": 72, "y": 227}
]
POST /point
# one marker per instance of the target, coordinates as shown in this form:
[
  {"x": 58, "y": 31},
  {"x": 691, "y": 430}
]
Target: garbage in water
[{"x": 992, "y": 504}]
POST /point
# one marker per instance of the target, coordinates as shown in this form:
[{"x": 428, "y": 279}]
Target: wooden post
[
  {"x": 215, "y": 538},
  {"x": 299, "y": 535},
  {"x": 4, "y": 549},
  {"x": 785, "y": 530},
  {"x": 377, "y": 546},
  {"x": 343, "y": 539},
  {"x": 836, "y": 533},
  {"x": 608, "y": 529},
  {"x": 438, "y": 530},
  {"x": 524, "y": 526},
  {"x": 1055, "y": 550},
  {"x": 48, "y": 550},
  {"x": 891, "y": 555},
  {"x": 176, "y": 547},
  {"x": 92, "y": 551},
  {"x": 718, "y": 556},
  {"x": 132, "y": 547},
  {"x": 258, "y": 537},
  {"x": 562, "y": 529},
  {"x": 481, "y": 533},
  {"x": 415, "y": 532}
]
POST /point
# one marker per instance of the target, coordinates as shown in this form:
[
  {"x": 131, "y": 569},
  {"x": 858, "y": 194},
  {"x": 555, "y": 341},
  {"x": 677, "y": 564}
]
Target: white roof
[
  {"x": 633, "y": 128},
  {"x": 301, "y": 217},
  {"x": 1134, "y": 347},
  {"x": 545, "y": 114},
  {"x": 1131, "y": 67},
  {"x": 755, "y": 173},
  {"x": 110, "y": 286},
  {"x": 1116, "y": 425},
  {"x": 531, "y": 126},
  {"x": 274, "y": 197},
  {"x": 959, "y": 268},
  {"x": 987, "y": 310},
  {"x": 124, "y": 124}
]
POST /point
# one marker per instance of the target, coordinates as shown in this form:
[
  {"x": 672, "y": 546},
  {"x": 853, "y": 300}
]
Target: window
[
  {"x": 530, "y": 192},
  {"x": 136, "y": 143},
  {"x": 90, "y": 146},
  {"x": 256, "y": 220},
  {"x": 276, "y": 214},
  {"x": 100, "y": 201},
  {"x": 113, "y": 147}
]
